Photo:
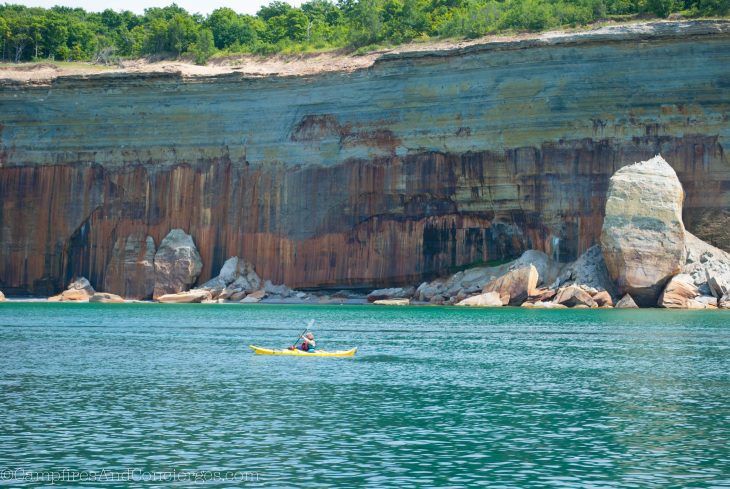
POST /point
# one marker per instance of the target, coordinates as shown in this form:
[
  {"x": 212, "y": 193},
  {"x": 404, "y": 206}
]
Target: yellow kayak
[{"x": 299, "y": 353}]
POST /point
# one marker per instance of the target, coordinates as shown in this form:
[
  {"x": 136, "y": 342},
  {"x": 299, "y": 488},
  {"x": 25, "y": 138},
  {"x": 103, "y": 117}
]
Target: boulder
[
  {"x": 724, "y": 302},
  {"x": 131, "y": 270},
  {"x": 237, "y": 296},
  {"x": 235, "y": 275},
  {"x": 702, "y": 302},
  {"x": 2, "y": 296},
  {"x": 426, "y": 290},
  {"x": 437, "y": 300},
  {"x": 710, "y": 302},
  {"x": 626, "y": 302},
  {"x": 194, "y": 295},
  {"x": 392, "y": 293},
  {"x": 719, "y": 284},
  {"x": 588, "y": 271},
  {"x": 544, "y": 305},
  {"x": 473, "y": 280},
  {"x": 487, "y": 299},
  {"x": 678, "y": 293},
  {"x": 253, "y": 297},
  {"x": 177, "y": 264},
  {"x": 708, "y": 266},
  {"x": 280, "y": 290},
  {"x": 542, "y": 295},
  {"x": 392, "y": 302},
  {"x": 603, "y": 299},
  {"x": 80, "y": 290},
  {"x": 517, "y": 284},
  {"x": 106, "y": 298},
  {"x": 642, "y": 238},
  {"x": 572, "y": 296}
]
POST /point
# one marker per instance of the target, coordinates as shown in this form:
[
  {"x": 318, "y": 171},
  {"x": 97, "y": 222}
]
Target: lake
[{"x": 435, "y": 397}]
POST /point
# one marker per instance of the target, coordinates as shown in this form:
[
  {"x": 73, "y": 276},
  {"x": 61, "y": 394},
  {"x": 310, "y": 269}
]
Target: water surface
[{"x": 436, "y": 396}]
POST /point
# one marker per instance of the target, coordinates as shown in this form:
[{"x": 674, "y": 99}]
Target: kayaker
[{"x": 308, "y": 343}]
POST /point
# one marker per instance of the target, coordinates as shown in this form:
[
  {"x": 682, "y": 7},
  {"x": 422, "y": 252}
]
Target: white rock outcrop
[
  {"x": 177, "y": 264},
  {"x": 642, "y": 238},
  {"x": 487, "y": 299},
  {"x": 80, "y": 290}
]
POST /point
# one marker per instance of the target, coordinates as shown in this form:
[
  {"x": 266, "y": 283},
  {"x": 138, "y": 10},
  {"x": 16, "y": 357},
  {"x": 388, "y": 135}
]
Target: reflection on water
[{"x": 435, "y": 397}]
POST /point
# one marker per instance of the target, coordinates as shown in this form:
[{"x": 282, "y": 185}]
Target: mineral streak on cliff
[{"x": 422, "y": 162}]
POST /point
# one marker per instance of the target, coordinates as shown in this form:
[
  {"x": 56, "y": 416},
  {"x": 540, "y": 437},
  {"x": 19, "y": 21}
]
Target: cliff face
[{"x": 423, "y": 162}]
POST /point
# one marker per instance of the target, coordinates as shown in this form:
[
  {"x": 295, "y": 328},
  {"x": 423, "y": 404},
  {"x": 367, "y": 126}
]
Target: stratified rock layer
[
  {"x": 419, "y": 165},
  {"x": 642, "y": 239}
]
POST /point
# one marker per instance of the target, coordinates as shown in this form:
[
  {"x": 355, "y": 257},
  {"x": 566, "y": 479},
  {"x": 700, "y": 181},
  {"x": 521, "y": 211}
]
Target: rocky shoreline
[{"x": 645, "y": 258}]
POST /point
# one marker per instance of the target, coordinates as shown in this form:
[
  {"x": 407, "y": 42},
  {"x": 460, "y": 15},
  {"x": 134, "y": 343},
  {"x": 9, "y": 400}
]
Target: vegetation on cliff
[{"x": 63, "y": 33}]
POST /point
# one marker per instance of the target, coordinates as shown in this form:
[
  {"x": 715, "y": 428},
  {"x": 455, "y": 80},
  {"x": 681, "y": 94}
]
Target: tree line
[{"x": 63, "y": 33}]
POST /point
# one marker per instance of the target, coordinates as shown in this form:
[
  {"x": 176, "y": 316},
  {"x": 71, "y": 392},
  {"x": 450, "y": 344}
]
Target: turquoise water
[{"x": 435, "y": 396}]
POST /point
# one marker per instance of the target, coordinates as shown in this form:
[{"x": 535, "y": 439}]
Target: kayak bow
[{"x": 298, "y": 353}]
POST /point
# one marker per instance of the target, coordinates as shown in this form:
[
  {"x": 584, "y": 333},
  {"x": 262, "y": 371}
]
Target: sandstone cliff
[{"x": 422, "y": 162}]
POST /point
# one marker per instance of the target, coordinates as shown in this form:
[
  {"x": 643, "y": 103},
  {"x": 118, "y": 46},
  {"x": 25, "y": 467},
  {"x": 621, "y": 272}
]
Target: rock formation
[
  {"x": 516, "y": 285},
  {"x": 626, "y": 302},
  {"x": 254, "y": 297},
  {"x": 391, "y": 293},
  {"x": 2, "y": 296},
  {"x": 642, "y": 238},
  {"x": 177, "y": 264},
  {"x": 603, "y": 299},
  {"x": 392, "y": 302},
  {"x": 471, "y": 281},
  {"x": 572, "y": 296},
  {"x": 131, "y": 271},
  {"x": 588, "y": 270},
  {"x": 424, "y": 163},
  {"x": 185, "y": 297},
  {"x": 80, "y": 290},
  {"x": 708, "y": 266},
  {"x": 704, "y": 302},
  {"x": 236, "y": 278},
  {"x": 279, "y": 290},
  {"x": 679, "y": 293},
  {"x": 543, "y": 305},
  {"x": 106, "y": 298},
  {"x": 487, "y": 299}
]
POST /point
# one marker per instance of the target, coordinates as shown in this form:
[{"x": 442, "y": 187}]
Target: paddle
[{"x": 309, "y": 326}]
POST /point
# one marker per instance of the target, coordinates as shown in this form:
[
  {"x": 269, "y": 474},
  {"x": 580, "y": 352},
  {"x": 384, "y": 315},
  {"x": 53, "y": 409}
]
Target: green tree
[
  {"x": 274, "y": 9},
  {"x": 4, "y": 35},
  {"x": 55, "y": 35},
  {"x": 181, "y": 32},
  {"x": 292, "y": 26},
  {"x": 661, "y": 8},
  {"x": 365, "y": 22},
  {"x": 204, "y": 46},
  {"x": 229, "y": 28}
]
